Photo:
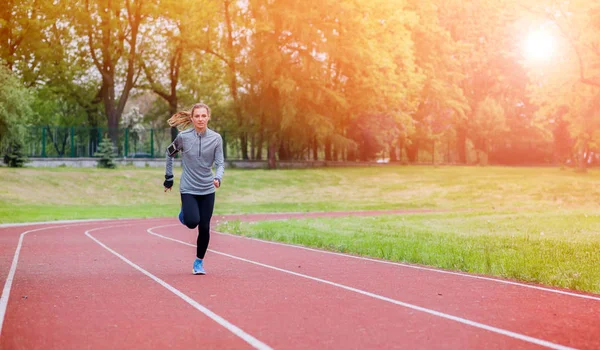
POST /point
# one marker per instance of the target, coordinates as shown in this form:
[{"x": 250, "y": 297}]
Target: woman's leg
[
  {"x": 189, "y": 208},
  {"x": 206, "y": 204}
]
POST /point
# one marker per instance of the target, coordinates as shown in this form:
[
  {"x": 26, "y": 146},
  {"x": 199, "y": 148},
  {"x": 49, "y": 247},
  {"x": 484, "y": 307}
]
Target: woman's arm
[
  {"x": 219, "y": 162},
  {"x": 170, "y": 154}
]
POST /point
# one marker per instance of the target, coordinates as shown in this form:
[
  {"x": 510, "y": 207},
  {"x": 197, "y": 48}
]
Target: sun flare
[{"x": 540, "y": 45}]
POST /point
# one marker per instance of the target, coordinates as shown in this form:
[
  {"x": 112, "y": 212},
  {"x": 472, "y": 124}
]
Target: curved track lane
[{"x": 128, "y": 283}]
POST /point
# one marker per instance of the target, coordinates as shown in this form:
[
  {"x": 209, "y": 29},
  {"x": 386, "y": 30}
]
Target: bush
[
  {"x": 14, "y": 156},
  {"x": 106, "y": 154}
]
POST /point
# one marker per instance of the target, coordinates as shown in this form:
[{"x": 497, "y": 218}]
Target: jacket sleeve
[
  {"x": 178, "y": 143},
  {"x": 219, "y": 160}
]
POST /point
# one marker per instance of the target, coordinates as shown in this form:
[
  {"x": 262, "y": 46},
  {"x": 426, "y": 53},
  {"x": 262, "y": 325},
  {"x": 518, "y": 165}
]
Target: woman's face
[{"x": 200, "y": 118}]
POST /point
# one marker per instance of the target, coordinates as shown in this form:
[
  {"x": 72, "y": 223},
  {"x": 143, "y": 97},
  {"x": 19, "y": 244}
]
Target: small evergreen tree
[
  {"x": 106, "y": 154},
  {"x": 14, "y": 156}
]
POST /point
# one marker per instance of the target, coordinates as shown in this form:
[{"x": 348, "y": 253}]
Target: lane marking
[
  {"x": 257, "y": 344},
  {"x": 519, "y": 336},
  {"x": 13, "y": 270},
  {"x": 35, "y": 223},
  {"x": 416, "y": 267}
]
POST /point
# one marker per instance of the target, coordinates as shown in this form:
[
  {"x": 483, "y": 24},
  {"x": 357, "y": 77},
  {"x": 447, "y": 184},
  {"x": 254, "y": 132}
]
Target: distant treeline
[{"x": 476, "y": 81}]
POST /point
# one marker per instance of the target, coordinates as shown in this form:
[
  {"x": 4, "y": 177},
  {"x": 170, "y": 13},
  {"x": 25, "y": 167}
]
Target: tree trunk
[
  {"x": 273, "y": 145},
  {"x": 283, "y": 151},
  {"x": 582, "y": 157},
  {"x": 173, "y": 110},
  {"x": 328, "y": 149},
  {"x": 113, "y": 122},
  {"x": 244, "y": 144},
  {"x": 400, "y": 148},
  {"x": 393, "y": 157},
  {"x": 259, "y": 146},
  {"x": 412, "y": 151},
  {"x": 461, "y": 144}
]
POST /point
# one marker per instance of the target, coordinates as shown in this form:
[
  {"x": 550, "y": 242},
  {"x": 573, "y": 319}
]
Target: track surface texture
[{"x": 123, "y": 284}]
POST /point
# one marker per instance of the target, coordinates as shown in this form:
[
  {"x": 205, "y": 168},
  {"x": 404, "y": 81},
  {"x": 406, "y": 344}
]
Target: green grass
[
  {"x": 34, "y": 194},
  {"x": 555, "y": 248},
  {"x": 532, "y": 224}
]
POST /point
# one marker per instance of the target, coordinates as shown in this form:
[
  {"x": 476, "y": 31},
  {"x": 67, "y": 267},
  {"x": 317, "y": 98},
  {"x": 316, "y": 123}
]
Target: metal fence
[
  {"x": 83, "y": 142},
  {"x": 74, "y": 142}
]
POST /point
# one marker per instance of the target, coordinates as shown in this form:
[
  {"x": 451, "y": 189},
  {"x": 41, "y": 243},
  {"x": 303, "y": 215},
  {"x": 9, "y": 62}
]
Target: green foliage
[
  {"x": 14, "y": 156},
  {"x": 54, "y": 106},
  {"x": 568, "y": 88},
  {"x": 106, "y": 153},
  {"x": 14, "y": 106},
  {"x": 439, "y": 99},
  {"x": 488, "y": 121},
  {"x": 349, "y": 79}
]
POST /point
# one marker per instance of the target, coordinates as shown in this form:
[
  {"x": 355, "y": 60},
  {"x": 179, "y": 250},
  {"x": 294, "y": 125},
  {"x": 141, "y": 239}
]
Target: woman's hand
[
  {"x": 168, "y": 182},
  {"x": 217, "y": 183}
]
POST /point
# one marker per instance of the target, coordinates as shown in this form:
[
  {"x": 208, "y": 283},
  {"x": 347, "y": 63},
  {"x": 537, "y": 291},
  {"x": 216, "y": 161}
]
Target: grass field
[
  {"x": 532, "y": 224},
  {"x": 556, "y": 248}
]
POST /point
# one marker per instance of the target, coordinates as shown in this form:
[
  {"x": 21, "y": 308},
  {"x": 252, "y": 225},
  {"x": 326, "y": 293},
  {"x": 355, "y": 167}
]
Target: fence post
[
  {"x": 224, "y": 146},
  {"x": 44, "y": 142},
  {"x": 72, "y": 142},
  {"x": 126, "y": 142},
  {"x": 152, "y": 143}
]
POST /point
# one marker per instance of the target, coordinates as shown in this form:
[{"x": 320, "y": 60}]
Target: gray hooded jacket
[{"x": 198, "y": 154}]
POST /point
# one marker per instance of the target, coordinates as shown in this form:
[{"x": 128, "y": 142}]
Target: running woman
[{"x": 200, "y": 149}]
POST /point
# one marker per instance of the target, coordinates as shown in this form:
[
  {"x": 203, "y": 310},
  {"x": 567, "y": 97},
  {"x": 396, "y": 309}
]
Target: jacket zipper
[{"x": 199, "y": 146}]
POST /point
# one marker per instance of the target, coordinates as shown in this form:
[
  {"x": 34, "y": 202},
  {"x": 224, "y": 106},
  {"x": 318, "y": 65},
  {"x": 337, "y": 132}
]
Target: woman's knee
[{"x": 190, "y": 222}]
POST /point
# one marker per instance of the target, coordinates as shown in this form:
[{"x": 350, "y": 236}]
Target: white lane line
[
  {"x": 257, "y": 344},
  {"x": 36, "y": 223},
  {"x": 416, "y": 267},
  {"x": 18, "y": 224},
  {"x": 13, "y": 269},
  {"x": 519, "y": 336}
]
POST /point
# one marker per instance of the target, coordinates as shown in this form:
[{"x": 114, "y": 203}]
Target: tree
[
  {"x": 438, "y": 96},
  {"x": 480, "y": 28},
  {"x": 106, "y": 153},
  {"x": 314, "y": 71},
  {"x": 15, "y": 106},
  {"x": 175, "y": 39},
  {"x": 111, "y": 30},
  {"x": 488, "y": 121},
  {"x": 570, "y": 85},
  {"x": 21, "y": 24},
  {"x": 232, "y": 40}
]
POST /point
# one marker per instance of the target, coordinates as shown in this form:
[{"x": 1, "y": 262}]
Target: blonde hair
[{"x": 182, "y": 120}]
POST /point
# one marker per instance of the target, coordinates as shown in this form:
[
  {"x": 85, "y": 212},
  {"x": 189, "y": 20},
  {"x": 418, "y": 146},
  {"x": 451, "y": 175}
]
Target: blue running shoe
[
  {"x": 181, "y": 217},
  {"x": 198, "y": 268}
]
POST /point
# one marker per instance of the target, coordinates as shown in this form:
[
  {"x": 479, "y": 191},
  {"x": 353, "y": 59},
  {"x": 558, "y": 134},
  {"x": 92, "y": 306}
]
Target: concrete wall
[
  {"x": 160, "y": 163},
  {"x": 93, "y": 162}
]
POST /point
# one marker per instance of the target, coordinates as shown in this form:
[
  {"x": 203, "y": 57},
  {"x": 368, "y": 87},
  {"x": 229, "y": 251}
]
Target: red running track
[{"x": 128, "y": 284}]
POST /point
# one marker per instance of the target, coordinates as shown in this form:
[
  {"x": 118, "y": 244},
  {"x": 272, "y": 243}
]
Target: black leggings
[{"x": 197, "y": 211}]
